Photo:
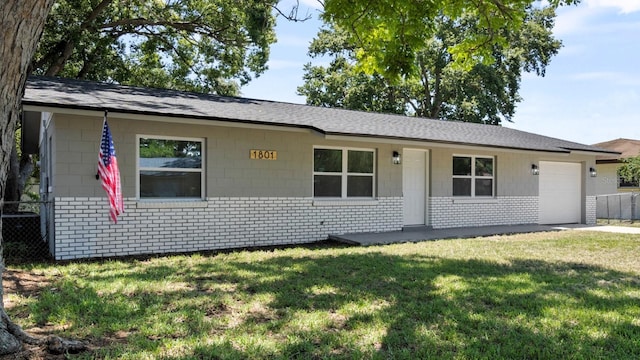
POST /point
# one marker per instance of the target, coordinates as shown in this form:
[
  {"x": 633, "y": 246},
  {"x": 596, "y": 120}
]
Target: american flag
[{"x": 109, "y": 172}]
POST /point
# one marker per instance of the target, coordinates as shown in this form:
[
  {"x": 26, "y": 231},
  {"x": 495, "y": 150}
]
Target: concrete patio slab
[{"x": 422, "y": 234}]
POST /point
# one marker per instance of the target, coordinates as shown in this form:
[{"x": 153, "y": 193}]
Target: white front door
[{"x": 414, "y": 186}]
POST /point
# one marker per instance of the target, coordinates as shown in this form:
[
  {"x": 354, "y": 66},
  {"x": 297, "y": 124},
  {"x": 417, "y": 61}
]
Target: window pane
[
  {"x": 360, "y": 162},
  {"x": 461, "y": 166},
  {"x": 484, "y": 187},
  {"x": 461, "y": 187},
  {"x": 484, "y": 167},
  {"x": 327, "y": 185},
  {"x": 167, "y": 184},
  {"x": 157, "y": 153},
  {"x": 360, "y": 186},
  {"x": 624, "y": 183},
  {"x": 327, "y": 160}
]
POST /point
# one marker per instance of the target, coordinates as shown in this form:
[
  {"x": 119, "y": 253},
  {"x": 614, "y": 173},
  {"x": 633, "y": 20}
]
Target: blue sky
[{"x": 591, "y": 91}]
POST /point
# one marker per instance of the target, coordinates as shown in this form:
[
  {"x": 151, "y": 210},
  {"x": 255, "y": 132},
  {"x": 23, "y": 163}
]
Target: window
[
  {"x": 622, "y": 183},
  {"x": 473, "y": 176},
  {"x": 170, "y": 168},
  {"x": 342, "y": 173}
]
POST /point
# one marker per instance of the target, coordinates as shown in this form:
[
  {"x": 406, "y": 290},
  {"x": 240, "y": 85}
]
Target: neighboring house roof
[
  {"x": 626, "y": 147},
  {"x": 84, "y": 95}
]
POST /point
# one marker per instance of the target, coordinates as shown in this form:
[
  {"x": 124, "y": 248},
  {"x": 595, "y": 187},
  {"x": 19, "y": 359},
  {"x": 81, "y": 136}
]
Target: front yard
[{"x": 569, "y": 295}]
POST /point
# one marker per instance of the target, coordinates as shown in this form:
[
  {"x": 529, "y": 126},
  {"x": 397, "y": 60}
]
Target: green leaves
[
  {"x": 390, "y": 33},
  {"x": 630, "y": 169},
  {"x": 198, "y": 45},
  {"x": 445, "y": 75}
]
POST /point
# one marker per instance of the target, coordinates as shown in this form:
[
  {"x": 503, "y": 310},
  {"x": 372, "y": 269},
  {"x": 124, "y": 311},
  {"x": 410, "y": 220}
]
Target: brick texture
[
  {"x": 590, "y": 210},
  {"x": 83, "y": 230},
  {"x": 447, "y": 212}
]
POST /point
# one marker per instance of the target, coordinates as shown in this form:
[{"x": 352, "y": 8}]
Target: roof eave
[
  {"x": 113, "y": 110},
  {"x": 593, "y": 152},
  {"x": 444, "y": 142}
]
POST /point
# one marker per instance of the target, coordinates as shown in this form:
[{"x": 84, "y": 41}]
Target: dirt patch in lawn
[
  {"x": 28, "y": 284},
  {"x": 22, "y": 282}
]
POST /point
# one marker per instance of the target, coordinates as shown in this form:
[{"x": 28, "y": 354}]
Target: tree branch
[
  {"x": 61, "y": 58},
  {"x": 192, "y": 27},
  {"x": 64, "y": 48},
  {"x": 94, "y": 14},
  {"x": 293, "y": 13}
]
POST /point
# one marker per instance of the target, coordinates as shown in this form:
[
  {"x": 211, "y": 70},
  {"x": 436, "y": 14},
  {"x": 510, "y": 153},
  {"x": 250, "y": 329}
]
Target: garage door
[{"x": 560, "y": 192}]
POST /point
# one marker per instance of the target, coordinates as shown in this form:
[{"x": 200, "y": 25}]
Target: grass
[
  {"x": 571, "y": 295},
  {"x": 615, "y": 222}
]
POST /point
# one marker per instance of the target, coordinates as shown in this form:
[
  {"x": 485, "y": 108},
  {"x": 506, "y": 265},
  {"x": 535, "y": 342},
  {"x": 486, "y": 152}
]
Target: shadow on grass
[{"x": 346, "y": 304}]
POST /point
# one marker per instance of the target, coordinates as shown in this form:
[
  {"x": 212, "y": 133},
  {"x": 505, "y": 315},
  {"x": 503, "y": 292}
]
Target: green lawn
[
  {"x": 635, "y": 223},
  {"x": 564, "y": 295}
]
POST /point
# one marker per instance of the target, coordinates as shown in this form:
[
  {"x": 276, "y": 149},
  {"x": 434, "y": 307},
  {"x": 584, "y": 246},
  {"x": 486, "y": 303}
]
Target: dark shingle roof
[{"x": 74, "y": 94}]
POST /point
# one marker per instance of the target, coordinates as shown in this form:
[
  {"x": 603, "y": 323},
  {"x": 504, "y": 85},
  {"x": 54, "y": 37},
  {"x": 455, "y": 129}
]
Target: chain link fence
[
  {"x": 25, "y": 232},
  {"x": 622, "y": 206}
]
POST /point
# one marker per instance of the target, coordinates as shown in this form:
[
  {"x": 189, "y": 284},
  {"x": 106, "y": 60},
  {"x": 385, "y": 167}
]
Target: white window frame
[
  {"x": 473, "y": 176},
  {"x": 344, "y": 174},
  {"x": 201, "y": 170}
]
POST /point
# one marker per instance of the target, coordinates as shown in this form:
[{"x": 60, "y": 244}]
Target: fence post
[
  {"x": 608, "y": 213},
  {"x": 633, "y": 206},
  {"x": 620, "y": 206}
]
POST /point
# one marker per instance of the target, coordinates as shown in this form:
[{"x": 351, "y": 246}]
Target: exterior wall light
[
  {"x": 593, "y": 172},
  {"x": 535, "y": 170},
  {"x": 396, "y": 158}
]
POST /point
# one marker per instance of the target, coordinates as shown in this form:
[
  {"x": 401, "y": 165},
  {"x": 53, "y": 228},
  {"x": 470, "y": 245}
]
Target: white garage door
[{"x": 560, "y": 192}]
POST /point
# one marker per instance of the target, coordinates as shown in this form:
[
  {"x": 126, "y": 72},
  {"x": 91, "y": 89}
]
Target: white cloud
[
  {"x": 598, "y": 17},
  {"x": 623, "y": 6},
  {"x": 315, "y": 4},
  {"x": 610, "y": 77},
  {"x": 573, "y": 19}
]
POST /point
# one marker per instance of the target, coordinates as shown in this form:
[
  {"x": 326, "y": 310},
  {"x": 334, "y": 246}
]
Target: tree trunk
[{"x": 21, "y": 22}]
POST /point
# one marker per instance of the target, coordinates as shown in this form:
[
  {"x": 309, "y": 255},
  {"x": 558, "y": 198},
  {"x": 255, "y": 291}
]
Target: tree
[
  {"x": 194, "y": 45},
  {"x": 439, "y": 88},
  {"x": 22, "y": 22},
  {"x": 630, "y": 170},
  {"x": 389, "y": 33}
]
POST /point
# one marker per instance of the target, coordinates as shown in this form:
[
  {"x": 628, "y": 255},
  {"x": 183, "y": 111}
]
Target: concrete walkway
[
  {"x": 421, "y": 234},
  {"x": 603, "y": 228}
]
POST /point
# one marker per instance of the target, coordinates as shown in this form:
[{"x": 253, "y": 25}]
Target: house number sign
[{"x": 263, "y": 155}]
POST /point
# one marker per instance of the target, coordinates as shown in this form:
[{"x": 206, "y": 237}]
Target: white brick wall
[
  {"x": 590, "y": 210},
  {"x": 83, "y": 230},
  {"x": 447, "y": 212}
]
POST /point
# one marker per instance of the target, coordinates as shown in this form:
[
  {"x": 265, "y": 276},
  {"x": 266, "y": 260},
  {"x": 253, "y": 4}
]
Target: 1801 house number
[{"x": 263, "y": 155}]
